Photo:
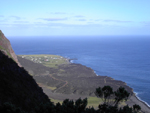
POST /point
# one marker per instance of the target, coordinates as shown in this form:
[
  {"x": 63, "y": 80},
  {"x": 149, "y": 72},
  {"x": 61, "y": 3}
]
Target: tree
[
  {"x": 104, "y": 93},
  {"x": 108, "y": 96},
  {"x": 7, "y": 107},
  {"x": 80, "y": 105},
  {"x": 136, "y": 108},
  {"x": 120, "y": 95}
]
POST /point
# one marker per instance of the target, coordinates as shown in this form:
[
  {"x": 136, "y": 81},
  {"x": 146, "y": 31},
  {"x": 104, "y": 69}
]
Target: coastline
[
  {"x": 142, "y": 100},
  {"x": 145, "y": 107},
  {"x": 134, "y": 99}
]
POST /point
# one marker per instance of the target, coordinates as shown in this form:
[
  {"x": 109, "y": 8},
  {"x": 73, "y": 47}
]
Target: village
[{"x": 47, "y": 60}]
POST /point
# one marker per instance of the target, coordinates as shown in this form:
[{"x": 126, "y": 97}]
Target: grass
[
  {"x": 94, "y": 102},
  {"x": 47, "y": 60},
  {"x": 41, "y": 55},
  {"x": 1, "y": 48},
  {"x": 52, "y": 88},
  {"x": 56, "y": 101}
]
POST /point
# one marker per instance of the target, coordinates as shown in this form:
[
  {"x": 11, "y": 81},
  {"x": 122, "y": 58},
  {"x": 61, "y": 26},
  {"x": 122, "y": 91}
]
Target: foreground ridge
[{"x": 17, "y": 86}]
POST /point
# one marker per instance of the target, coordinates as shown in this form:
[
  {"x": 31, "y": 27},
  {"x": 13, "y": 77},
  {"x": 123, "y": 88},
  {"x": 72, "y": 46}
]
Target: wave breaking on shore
[{"x": 136, "y": 95}]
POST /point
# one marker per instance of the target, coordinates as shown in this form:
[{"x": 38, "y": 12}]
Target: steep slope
[
  {"x": 5, "y": 46},
  {"x": 17, "y": 86}
]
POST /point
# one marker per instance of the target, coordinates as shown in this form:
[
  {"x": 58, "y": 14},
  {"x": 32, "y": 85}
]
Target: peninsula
[{"x": 61, "y": 79}]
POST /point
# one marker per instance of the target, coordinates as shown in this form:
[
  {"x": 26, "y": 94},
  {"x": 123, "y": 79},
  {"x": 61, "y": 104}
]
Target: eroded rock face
[{"x": 5, "y": 46}]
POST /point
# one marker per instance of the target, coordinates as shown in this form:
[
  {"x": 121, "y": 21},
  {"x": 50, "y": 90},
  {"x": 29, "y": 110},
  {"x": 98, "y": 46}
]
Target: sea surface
[{"x": 125, "y": 58}]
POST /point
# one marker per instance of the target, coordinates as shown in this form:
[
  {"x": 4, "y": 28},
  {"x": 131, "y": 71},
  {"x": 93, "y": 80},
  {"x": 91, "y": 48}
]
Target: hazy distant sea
[{"x": 125, "y": 58}]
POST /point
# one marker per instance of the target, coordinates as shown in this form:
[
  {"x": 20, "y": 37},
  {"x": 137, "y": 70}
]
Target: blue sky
[{"x": 74, "y": 17}]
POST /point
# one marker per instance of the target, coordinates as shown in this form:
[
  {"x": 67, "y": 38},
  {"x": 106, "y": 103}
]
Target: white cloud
[
  {"x": 54, "y": 19},
  {"x": 79, "y": 16},
  {"x": 57, "y": 13},
  {"x": 21, "y": 21},
  {"x": 16, "y": 17},
  {"x": 81, "y": 19},
  {"x": 117, "y": 21}
]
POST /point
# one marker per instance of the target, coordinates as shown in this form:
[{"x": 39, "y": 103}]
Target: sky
[{"x": 74, "y": 17}]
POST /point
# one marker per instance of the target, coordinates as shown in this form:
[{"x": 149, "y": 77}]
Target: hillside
[
  {"x": 17, "y": 86},
  {"x": 68, "y": 80},
  {"x": 74, "y": 81}
]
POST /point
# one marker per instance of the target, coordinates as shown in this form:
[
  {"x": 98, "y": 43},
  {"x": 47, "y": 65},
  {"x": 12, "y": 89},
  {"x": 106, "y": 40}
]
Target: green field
[
  {"x": 47, "y": 60},
  {"x": 92, "y": 101}
]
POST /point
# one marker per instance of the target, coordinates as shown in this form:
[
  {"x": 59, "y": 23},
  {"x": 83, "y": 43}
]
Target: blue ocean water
[{"x": 125, "y": 58}]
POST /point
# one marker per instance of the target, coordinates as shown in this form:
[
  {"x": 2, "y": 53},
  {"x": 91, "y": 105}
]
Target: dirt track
[{"x": 59, "y": 80}]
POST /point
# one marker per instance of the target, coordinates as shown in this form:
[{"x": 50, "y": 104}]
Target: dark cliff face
[
  {"x": 5, "y": 46},
  {"x": 17, "y": 86}
]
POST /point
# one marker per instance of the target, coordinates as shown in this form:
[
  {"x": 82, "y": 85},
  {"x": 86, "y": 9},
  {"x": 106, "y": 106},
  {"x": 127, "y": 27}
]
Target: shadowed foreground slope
[{"x": 17, "y": 86}]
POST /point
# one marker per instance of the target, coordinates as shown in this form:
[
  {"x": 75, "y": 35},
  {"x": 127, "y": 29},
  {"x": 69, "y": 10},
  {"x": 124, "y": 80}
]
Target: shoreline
[
  {"x": 145, "y": 107},
  {"x": 141, "y": 100},
  {"x": 145, "y": 103},
  {"x": 135, "y": 94},
  {"x": 134, "y": 99}
]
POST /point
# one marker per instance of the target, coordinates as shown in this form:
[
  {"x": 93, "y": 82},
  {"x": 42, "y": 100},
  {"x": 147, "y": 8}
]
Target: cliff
[
  {"x": 16, "y": 85},
  {"x": 5, "y": 46}
]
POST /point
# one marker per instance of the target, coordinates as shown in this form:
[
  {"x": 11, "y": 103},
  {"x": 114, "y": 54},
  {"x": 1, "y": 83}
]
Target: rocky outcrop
[{"x": 5, "y": 46}]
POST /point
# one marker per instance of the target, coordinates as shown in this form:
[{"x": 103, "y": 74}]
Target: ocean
[{"x": 125, "y": 58}]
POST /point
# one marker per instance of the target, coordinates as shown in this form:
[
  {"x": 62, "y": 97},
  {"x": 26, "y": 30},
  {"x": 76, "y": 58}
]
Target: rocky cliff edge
[{"x": 5, "y": 46}]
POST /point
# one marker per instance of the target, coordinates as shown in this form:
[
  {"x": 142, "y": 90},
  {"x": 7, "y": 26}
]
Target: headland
[{"x": 61, "y": 79}]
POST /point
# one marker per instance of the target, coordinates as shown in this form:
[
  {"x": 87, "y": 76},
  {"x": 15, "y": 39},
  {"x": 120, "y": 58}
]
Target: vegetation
[
  {"x": 111, "y": 100},
  {"x": 79, "y": 106},
  {"x": 4, "y": 44},
  {"x": 75, "y": 79},
  {"x": 10, "y": 108},
  {"x": 19, "y": 93},
  {"x": 94, "y": 102},
  {"x": 47, "y": 60}
]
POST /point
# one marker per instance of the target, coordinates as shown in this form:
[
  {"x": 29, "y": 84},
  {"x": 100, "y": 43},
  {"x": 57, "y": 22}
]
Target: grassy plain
[
  {"x": 92, "y": 101},
  {"x": 47, "y": 60}
]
